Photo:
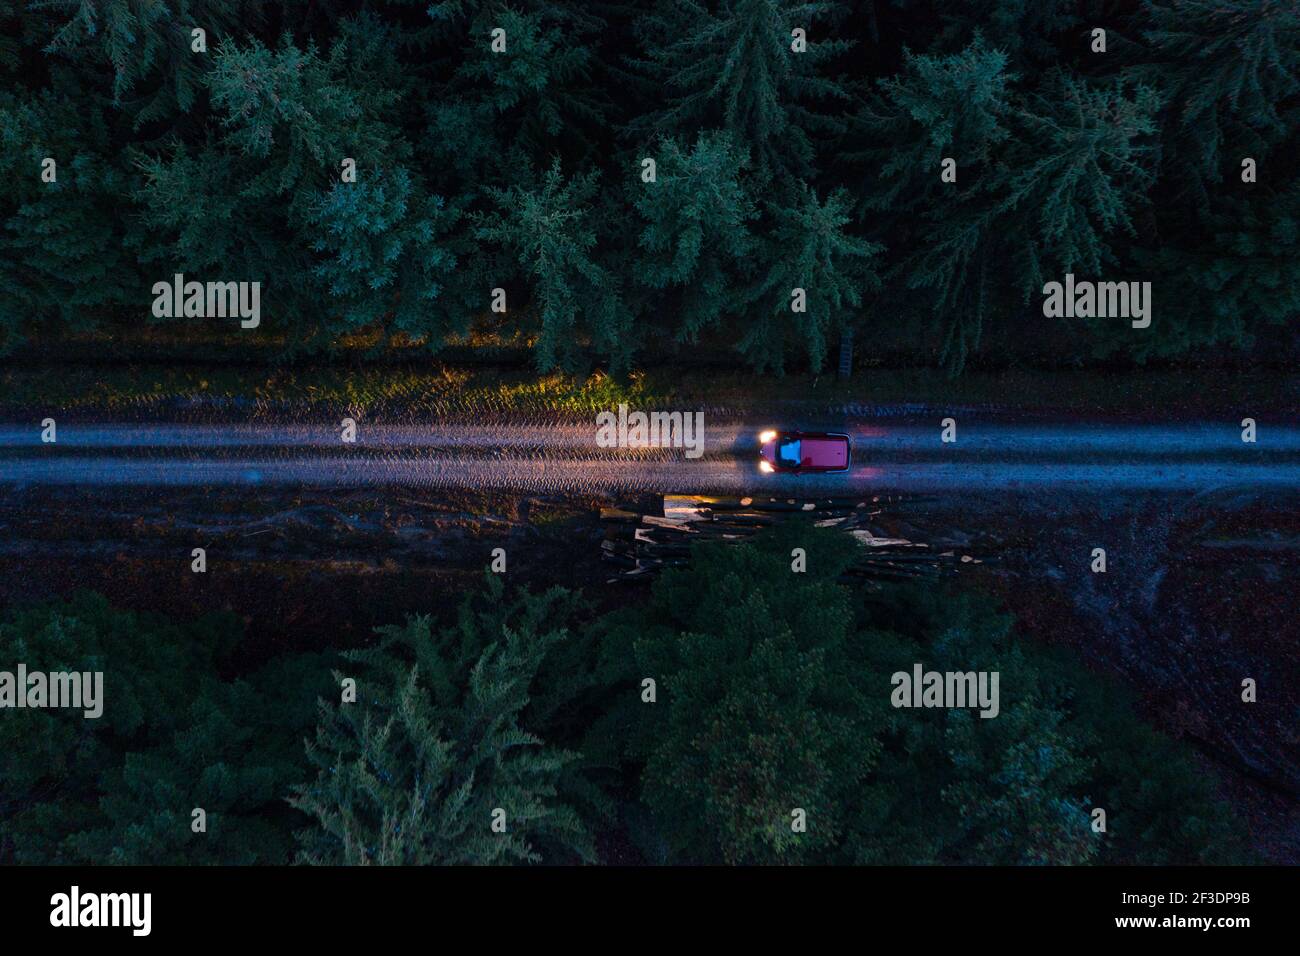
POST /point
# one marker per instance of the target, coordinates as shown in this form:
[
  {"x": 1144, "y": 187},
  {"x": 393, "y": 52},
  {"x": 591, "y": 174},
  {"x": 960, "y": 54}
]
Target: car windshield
[{"x": 787, "y": 452}]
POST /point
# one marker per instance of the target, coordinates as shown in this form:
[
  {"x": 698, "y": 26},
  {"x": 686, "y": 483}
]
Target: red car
[{"x": 798, "y": 452}]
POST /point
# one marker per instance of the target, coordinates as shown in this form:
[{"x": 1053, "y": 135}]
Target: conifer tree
[
  {"x": 234, "y": 755},
  {"x": 62, "y": 261},
  {"x": 226, "y": 162},
  {"x": 172, "y": 736},
  {"x": 754, "y": 718},
  {"x": 1031, "y": 30},
  {"x": 952, "y": 106},
  {"x": 698, "y": 235},
  {"x": 1231, "y": 74},
  {"x": 1082, "y": 159},
  {"x": 809, "y": 248},
  {"x": 564, "y": 687},
  {"x": 411, "y": 776},
  {"x": 731, "y": 66},
  {"x": 386, "y": 256},
  {"x": 1094, "y": 161},
  {"x": 774, "y": 693},
  {"x": 148, "y": 46},
  {"x": 373, "y": 251},
  {"x": 536, "y": 98},
  {"x": 550, "y": 230},
  {"x": 947, "y": 780},
  {"x": 1245, "y": 277}
]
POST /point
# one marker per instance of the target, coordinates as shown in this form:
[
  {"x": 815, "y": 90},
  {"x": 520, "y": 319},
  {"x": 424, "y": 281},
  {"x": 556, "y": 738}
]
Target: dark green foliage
[
  {"x": 61, "y": 242},
  {"x": 414, "y": 771},
  {"x": 446, "y": 656},
  {"x": 936, "y": 107},
  {"x": 173, "y": 736},
  {"x": 949, "y": 780},
  {"x": 479, "y": 169},
  {"x": 387, "y": 254},
  {"x": 811, "y": 248},
  {"x": 292, "y": 112},
  {"x": 1232, "y": 72},
  {"x": 530, "y": 98},
  {"x": 404, "y": 783},
  {"x": 1063, "y": 188},
  {"x": 549, "y": 229},
  {"x": 773, "y": 693},
  {"x": 730, "y": 66},
  {"x": 698, "y": 235},
  {"x": 756, "y": 714},
  {"x": 147, "y": 47},
  {"x": 1245, "y": 279},
  {"x": 1036, "y": 30},
  {"x": 235, "y": 755},
  {"x": 377, "y": 252},
  {"x": 499, "y": 115},
  {"x": 1162, "y": 808},
  {"x": 1089, "y": 164}
]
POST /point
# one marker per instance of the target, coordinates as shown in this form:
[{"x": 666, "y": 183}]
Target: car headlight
[
  {"x": 767, "y": 436},
  {"x": 765, "y": 467}
]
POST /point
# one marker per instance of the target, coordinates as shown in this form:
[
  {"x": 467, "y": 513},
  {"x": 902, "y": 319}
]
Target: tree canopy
[
  {"x": 744, "y": 713},
  {"x": 500, "y": 146},
  {"x": 774, "y": 696}
]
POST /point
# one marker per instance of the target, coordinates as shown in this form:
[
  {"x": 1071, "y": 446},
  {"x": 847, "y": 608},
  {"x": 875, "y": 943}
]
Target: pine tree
[
  {"x": 754, "y": 718},
  {"x": 1023, "y": 29},
  {"x": 234, "y": 754},
  {"x": 697, "y": 236},
  {"x": 1064, "y": 742},
  {"x": 387, "y": 256},
  {"x": 947, "y": 780},
  {"x": 487, "y": 617},
  {"x": 148, "y": 46},
  {"x": 773, "y": 694},
  {"x": 1082, "y": 160},
  {"x": 453, "y": 17},
  {"x": 294, "y": 114},
  {"x": 263, "y": 201},
  {"x": 731, "y": 66},
  {"x": 225, "y": 164},
  {"x": 538, "y": 97},
  {"x": 550, "y": 230},
  {"x": 78, "y": 788},
  {"x": 1231, "y": 72},
  {"x": 563, "y": 688},
  {"x": 1094, "y": 163},
  {"x": 1244, "y": 278},
  {"x": 808, "y": 248},
  {"x": 62, "y": 260},
  {"x": 955, "y": 106},
  {"x": 407, "y": 779}
]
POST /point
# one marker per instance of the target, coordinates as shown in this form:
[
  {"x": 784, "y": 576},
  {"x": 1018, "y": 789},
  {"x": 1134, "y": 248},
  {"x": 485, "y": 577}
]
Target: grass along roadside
[{"x": 98, "y": 390}]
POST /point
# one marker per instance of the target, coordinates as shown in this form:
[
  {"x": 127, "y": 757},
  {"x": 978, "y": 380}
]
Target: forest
[
  {"x": 610, "y": 188},
  {"x": 770, "y": 696},
  {"x": 596, "y": 179}
]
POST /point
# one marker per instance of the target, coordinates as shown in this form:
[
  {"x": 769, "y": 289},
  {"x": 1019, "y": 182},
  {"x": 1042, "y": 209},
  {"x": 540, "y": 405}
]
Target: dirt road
[{"x": 561, "y": 457}]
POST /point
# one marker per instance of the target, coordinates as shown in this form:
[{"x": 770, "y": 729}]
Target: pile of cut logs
[{"x": 638, "y": 543}]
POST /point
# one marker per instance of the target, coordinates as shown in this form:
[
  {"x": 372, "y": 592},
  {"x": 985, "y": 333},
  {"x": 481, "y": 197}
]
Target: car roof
[{"x": 825, "y": 451}]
